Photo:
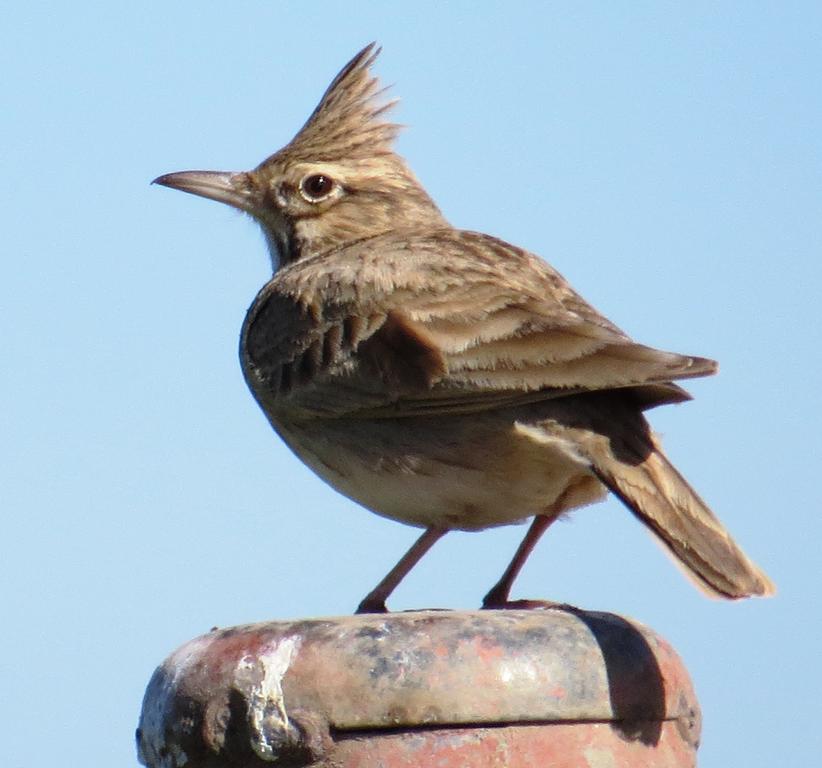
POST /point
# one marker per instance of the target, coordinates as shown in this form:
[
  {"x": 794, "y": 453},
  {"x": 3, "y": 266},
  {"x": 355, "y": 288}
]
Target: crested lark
[{"x": 444, "y": 378}]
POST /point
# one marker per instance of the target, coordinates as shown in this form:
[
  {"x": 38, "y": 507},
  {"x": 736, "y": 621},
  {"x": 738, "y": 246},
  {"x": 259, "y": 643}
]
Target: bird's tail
[
  {"x": 661, "y": 498},
  {"x": 609, "y": 432}
]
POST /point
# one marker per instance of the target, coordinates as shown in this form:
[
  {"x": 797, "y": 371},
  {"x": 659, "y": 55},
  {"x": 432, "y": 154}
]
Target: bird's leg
[
  {"x": 374, "y": 601},
  {"x": 498, "y": 596}
]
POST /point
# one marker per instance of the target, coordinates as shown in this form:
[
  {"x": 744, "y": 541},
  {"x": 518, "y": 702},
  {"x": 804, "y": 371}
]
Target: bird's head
[{"x": 337, "y": 181}]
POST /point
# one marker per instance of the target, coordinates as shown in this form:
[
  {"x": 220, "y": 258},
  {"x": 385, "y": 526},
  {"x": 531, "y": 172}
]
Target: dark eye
[{"x": 316, "y": 187}]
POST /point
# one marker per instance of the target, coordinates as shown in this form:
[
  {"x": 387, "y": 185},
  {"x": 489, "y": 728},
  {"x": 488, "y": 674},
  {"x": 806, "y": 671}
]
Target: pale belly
[{"x": 457, "y": 472}]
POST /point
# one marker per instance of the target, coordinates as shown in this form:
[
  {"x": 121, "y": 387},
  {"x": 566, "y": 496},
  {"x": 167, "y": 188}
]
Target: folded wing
[{"x": 380, "y": 330}]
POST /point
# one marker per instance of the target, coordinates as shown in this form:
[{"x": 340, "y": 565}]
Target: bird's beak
[{"x": 234, "y": 189}]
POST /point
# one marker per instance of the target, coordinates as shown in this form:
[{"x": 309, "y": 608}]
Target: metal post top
[{"x": 290, "y": 692}]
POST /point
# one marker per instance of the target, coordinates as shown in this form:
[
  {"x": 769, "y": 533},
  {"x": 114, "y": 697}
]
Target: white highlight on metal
[{"x": 517, "y": 670}]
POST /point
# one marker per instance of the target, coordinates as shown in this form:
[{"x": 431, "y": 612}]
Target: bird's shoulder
[{"x": 437, "y": 273}]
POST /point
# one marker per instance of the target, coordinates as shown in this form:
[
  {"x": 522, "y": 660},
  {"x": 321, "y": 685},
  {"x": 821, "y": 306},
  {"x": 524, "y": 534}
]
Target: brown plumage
[{"x": 444, "y": 378}]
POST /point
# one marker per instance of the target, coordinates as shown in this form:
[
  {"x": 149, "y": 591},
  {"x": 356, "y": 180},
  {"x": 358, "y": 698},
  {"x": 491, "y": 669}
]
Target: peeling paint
[{"x": 267, "y": 715}]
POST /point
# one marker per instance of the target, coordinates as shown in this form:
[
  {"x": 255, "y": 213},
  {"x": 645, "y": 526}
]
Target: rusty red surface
[
  {"x": 514, "y": 688},
  {"x": 557, "y": 745}
]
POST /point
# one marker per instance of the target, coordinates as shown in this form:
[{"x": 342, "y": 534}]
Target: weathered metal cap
[{"x": 559, "y": 687}]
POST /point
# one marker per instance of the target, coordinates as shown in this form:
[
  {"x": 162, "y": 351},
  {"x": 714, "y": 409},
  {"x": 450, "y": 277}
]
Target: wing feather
[{"x": 447, "y": 322}]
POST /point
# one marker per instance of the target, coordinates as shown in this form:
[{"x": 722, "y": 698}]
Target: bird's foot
[{"x": 371, "y": 605}]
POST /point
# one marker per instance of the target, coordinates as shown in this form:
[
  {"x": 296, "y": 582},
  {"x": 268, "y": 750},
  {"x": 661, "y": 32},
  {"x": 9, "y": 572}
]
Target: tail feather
[
  {"x": 608, "y": 431},
  {"x": 662, "y": 499}
]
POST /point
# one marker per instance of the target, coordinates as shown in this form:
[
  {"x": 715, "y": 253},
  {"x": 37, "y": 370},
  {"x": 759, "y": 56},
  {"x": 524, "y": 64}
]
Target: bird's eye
[{"x": 316, "y": 187}]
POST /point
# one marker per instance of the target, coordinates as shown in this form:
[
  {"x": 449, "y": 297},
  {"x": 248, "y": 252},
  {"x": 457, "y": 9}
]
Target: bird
[{"x": 444, "y": 378}]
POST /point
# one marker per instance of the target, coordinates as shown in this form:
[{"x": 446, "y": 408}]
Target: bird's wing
[{"x": 443, "y": 323}]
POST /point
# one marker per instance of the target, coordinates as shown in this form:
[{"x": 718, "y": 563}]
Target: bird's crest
[{"x": 348, "y": 120}]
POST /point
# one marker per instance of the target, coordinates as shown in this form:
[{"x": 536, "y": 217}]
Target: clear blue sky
[{"x": 665, "y": 157}]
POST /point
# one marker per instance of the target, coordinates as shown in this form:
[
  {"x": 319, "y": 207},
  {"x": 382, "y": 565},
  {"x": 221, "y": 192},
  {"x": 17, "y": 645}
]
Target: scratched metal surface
[{"x": 557, "y": 687}]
